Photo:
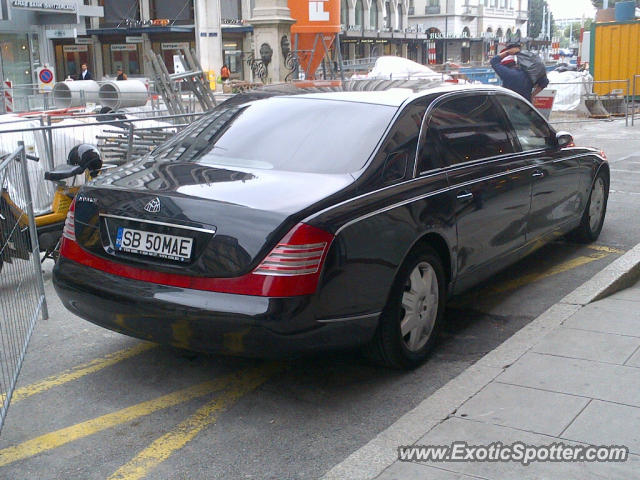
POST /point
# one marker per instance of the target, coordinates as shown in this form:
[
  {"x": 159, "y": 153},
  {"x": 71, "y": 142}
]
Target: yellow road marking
[
  {"x": 603, "y": 248},
  {"x": 63, "y": 436},
  {"x": 79, "y": 371},
  {"x": 534, "y": 277},
  {"x": 502, "y": 287},
  {"x": 149, "y": 458}
]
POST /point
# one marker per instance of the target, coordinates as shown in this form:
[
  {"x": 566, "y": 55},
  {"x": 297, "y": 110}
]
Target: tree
[
  {"x": 599, "y": 3},
  {"x": 576, "y": 28},
  {"x": 535, "y": 17}
]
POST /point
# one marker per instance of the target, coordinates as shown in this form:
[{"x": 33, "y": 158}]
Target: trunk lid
[{"x": 196, "y": 219}]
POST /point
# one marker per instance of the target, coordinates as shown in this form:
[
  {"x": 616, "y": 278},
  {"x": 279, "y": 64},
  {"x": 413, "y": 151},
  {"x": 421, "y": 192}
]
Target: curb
[{"x": 373, "y": 458}]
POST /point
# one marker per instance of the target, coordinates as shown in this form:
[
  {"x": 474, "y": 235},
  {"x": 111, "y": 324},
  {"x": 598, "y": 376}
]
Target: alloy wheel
[{"x": 419, "y": 306}]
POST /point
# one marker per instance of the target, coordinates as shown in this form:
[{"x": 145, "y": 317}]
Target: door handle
[
  {"x": 465, "y": 195},
  {"x": 538, "y": 173}
]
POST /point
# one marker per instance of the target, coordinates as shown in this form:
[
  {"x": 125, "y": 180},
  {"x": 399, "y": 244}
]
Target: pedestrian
[
  {"x": 225, "y": 73},
  {"x": 85, "y": 74},
  {"x": 506, "y": 67},
  {"x": 121, "y": 75}
]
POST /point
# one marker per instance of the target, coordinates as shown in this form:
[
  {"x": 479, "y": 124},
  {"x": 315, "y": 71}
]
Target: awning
[{"x": 140, "y": 30}]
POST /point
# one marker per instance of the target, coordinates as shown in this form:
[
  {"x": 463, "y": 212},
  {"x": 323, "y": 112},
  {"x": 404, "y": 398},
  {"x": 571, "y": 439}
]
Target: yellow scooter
[{"x": 15, "y": 241}]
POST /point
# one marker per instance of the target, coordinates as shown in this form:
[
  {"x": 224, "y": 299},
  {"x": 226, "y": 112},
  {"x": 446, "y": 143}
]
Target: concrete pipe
[
  {"x": 75, "y": 94},
  {"x": 123, "y": 94}
]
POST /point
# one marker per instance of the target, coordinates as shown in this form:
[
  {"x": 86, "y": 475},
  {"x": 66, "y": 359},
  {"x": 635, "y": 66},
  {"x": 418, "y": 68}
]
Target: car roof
[{"x": 393, "y": 93}]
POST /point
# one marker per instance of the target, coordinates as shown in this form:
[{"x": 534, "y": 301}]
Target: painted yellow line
[
  {"x": 79, "y": 371},
  {"x": 555, "y": 270},
  {"x": 603, "y": 248},
  {"x": 471, "y": 296},
  {"x": 66, "y": 435},
  {"x": 149, "y": 458}
]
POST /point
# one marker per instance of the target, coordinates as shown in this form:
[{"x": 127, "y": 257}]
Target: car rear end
[{"x": 202, "y": 245}]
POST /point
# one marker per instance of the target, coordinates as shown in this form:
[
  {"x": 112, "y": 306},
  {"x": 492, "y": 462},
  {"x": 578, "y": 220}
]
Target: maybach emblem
[{"x": 153, "y": 206}]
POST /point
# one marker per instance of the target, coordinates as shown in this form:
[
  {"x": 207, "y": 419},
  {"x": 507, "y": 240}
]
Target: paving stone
[
  {"x": 610, "y": 316},
  {"x": 575, "y": 343},
  {"x": 524, "y": 408},
  {"x": 417, "y": 471},
  {"x": 634, "y": 361},
  {"x": 631, "y": 293},
  {"x": 478, "y": 433},
  {"x": 603, "y": 381},
  {"x": 605, "y": 423}
]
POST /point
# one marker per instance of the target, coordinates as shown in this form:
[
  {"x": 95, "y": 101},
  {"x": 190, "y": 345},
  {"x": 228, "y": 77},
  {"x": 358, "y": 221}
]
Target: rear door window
[{"x": 463, "y": 129}]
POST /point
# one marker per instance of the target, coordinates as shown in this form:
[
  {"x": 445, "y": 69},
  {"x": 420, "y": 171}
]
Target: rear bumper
[{"x": 202, "y": 320}]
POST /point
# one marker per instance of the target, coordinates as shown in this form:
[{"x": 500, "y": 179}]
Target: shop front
[{"x": 70, "y": 54}]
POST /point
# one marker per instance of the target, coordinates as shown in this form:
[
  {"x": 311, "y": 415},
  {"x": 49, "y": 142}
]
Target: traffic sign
[{"x": 45, "y": 79}]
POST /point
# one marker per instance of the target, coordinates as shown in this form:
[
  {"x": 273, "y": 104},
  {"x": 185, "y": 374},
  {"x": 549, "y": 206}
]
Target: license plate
[{"x": 152, "y": 244}]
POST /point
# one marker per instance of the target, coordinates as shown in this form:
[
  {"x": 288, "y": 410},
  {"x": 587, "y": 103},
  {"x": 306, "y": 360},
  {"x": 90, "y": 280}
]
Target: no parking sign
[{"x": 45, "y": 79}]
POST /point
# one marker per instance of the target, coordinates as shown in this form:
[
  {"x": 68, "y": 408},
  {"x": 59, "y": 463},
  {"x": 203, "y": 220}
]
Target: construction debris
[{"x": 172, "y": 85}]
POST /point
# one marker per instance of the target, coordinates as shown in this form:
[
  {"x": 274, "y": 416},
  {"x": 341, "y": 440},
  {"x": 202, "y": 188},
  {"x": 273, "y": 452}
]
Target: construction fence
[{"x": 22, "y": 298}]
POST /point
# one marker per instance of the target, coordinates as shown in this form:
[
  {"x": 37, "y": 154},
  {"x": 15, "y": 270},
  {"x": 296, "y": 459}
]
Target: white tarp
[
  {"x": 570, "y": 89},
  {"x": 398, "y": 68}
]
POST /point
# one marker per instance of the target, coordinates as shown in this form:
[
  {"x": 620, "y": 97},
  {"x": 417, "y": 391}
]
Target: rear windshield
[{"x": 293, "y": 134}]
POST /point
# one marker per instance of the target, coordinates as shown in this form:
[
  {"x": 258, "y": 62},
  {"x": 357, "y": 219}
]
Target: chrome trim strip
[
  {"x": 184, "y": 227},
  {"x": 348, "y": 319}
]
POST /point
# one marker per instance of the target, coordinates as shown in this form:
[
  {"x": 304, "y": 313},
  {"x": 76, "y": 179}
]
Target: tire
[
  {"x": 420, "y": 278},
  {"x": 594, "y": 213}
]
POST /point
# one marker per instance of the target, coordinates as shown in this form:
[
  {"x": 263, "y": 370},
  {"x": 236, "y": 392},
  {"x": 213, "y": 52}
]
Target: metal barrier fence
[
  {"x": 633, "y": 98},
  {"x": 28, "y": 98},
  {"x": 118, "y": 139},
  {"x": 22, "y": 297}
]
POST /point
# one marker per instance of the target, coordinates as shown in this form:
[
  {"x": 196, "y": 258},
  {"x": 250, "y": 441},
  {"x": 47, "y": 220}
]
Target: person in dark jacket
[
  {"x": 120, "y": 75},
  {"x": 505, "y": 65},
  {"x": 85, "y": 74}
]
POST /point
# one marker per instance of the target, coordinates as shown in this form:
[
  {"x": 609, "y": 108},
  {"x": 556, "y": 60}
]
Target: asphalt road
[{"x": 92, "y": 404}]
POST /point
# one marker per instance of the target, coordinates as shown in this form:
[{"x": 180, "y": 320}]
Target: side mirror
[{"x": 564, "y": 139}]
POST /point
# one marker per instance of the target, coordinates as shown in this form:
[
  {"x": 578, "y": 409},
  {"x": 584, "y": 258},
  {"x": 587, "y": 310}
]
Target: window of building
[
  {"x": 16, "y": 61},
  {"x": 373, "y": 16},
  {"x": 533, "y": 133},
  {"x": 119, "y": 12},
  {"x": 178, "y": 11},
  {"x": 467, "y": 128},
  {"x": 344, "y": 14},
  {"x": 359, "y": 15},
  {"x": 230, "y": 9},
  {"x": 400, "y": 20},
  {"x": 387, "y": 15}
]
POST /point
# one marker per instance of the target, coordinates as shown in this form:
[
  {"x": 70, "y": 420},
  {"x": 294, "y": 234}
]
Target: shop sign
[
  {"x": 61, "y": 33},
  {"x": 123, "y": 47},
  {"x": 133, "y": 39},
  {"x": 233, "y": 21},
  {"x": 75, "y": 48},
  {"x": 47, "y": 6},
  {"x": 174, "y": 45},
  {"x": 84, "y": 41}
]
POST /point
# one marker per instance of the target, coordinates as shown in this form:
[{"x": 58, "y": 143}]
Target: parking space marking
[
  {"x": 80, "y": 371},
  {"x": 61, "y": 437},
  {"x": 601, "y": 251},
  {"x": 162, "y": 448}
]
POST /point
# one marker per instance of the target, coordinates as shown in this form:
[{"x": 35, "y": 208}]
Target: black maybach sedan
[{"x": 325, "y": 220}]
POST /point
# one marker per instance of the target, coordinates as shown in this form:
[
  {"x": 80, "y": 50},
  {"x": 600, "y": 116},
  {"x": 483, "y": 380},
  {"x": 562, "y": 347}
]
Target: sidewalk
[{"x": 571, "y": 376}]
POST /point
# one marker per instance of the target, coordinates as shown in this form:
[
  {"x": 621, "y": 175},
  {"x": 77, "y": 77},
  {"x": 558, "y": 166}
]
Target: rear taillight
[
  {"x": 300, "y": 253},
  {"x": 69, "y": 229}
]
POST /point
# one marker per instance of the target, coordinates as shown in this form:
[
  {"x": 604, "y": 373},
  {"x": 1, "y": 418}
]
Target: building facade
[
  {"x": 29, "y": 30},
  {"x": 469, "y": 30},
  {"x": 371, "y": 28}
]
